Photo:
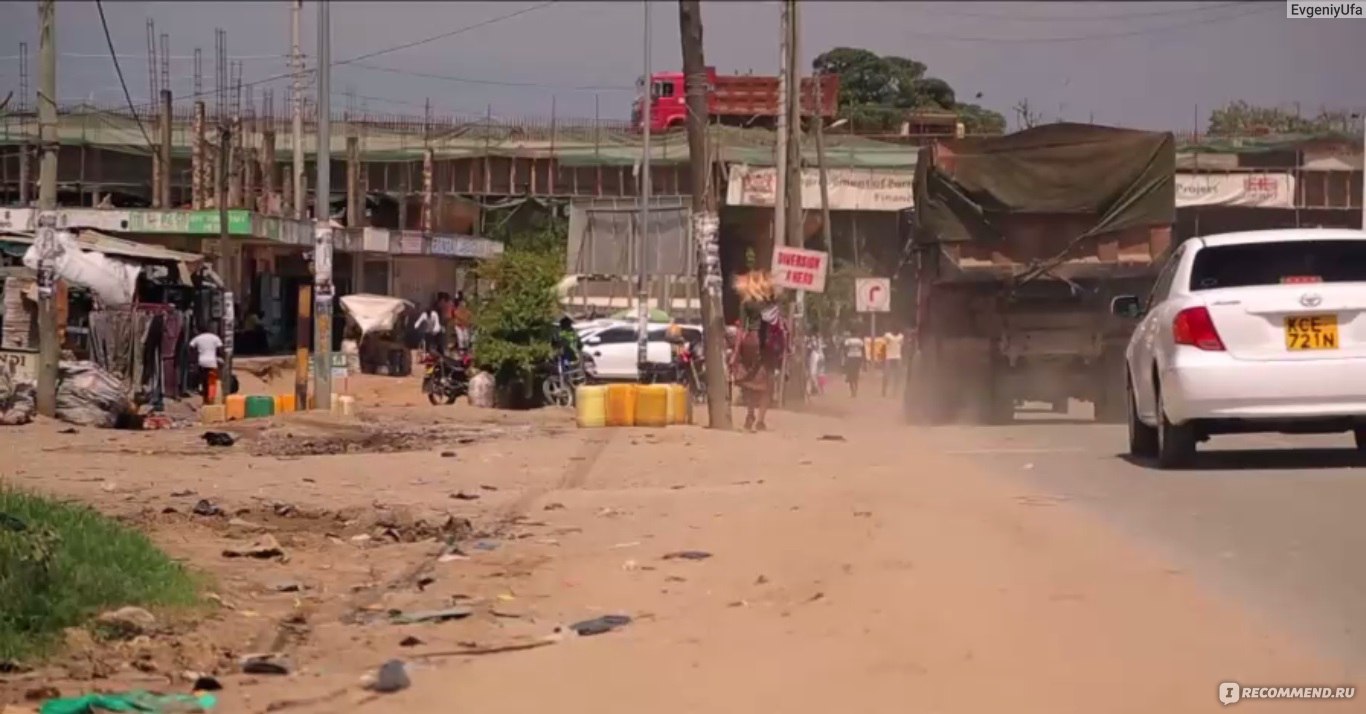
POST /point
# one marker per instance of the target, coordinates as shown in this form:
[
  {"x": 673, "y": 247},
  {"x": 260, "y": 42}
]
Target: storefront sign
[
  {"x": 410, "y": 243},
  {"x": 849, "y": 189},
  {"x": 188, "y": 222},
  {"x": 444, "y": 246},
  {"x": 375, "y": 240},
  {"x": 1253, "y": 190},
  {"x": 799, "y": 269},
  {"x": 22, "y": 364}
]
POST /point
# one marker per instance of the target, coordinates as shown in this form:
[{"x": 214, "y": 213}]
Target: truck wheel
[
  {"x": 1142, "y": 438},
  {"x": 1175, "y": 444}
]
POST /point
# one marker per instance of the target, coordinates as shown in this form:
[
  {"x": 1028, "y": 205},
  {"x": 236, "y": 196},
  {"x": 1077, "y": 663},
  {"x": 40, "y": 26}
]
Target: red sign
[{"x": 799, "y": 269}]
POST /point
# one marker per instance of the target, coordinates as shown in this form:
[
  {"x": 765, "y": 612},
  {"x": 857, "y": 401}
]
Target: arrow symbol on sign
[{"x": 873, "y": 290}]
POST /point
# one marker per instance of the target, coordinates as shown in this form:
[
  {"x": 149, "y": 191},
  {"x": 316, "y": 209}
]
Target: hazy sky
[{"x": 1139, "y": 64}]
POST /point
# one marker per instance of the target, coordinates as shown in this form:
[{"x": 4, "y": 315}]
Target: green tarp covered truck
[{"x": 1019, "y": 242}]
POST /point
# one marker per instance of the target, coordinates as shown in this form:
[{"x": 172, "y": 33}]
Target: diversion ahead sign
[{"x": 800, "y": 269}]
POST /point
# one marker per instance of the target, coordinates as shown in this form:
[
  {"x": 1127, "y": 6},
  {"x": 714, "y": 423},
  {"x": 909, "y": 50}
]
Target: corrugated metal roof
[{"x": 109, "y": 245}]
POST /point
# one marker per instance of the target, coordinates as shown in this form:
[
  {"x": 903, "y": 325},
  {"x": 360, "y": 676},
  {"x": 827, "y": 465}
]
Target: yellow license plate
[{"x": 1311, "y": 332}]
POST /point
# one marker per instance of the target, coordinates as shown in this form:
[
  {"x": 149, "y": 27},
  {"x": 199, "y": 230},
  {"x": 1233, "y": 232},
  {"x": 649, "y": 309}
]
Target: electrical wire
[
  {"x": 1089, "y": 37},
  {"x": 491, "y": 82},
  {"x": 396, "y": 48},
  {"x": 113, "y": 55},
  {"x": 1087, "y": 18}
]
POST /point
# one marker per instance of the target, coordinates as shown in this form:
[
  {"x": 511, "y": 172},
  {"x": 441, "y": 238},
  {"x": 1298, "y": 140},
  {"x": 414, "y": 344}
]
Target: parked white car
[
  {"x": 613, "y": 348},
  {"x": 1261, "y": 331}
]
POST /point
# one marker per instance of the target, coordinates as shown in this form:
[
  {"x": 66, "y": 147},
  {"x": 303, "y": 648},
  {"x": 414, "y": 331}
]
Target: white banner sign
[
  {"x": 850, "y": 189},
  {"x": 799, "y": 269},
  {"x": 1255, "y": 190},
  {"x": 872, "y": 295}
]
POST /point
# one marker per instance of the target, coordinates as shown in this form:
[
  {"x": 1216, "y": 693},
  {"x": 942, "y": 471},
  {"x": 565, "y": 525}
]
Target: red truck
[{"x": 739, "y": 100}]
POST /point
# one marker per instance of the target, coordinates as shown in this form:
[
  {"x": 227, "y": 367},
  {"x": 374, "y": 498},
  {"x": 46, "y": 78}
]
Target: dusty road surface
[
  {"x": 855, "y": 565},
  {"x": 1273, "y": 520}
]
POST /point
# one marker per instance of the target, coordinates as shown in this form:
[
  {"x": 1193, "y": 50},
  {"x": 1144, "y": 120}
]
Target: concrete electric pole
[
  {"x": 226, "y": 273},
  {"x": 49, "y": 352},
  {"x": 705, "y": 218},
  {"x": 642, "y": 235},
  {"x": 322, "y": 244},
  {"x": 296, "y": 62}
]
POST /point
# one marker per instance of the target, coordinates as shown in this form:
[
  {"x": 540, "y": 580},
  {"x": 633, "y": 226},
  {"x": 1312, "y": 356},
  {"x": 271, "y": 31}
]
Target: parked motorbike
[
  {"x": 563, "y": 376},
  {"x": 446, "y": 378}
]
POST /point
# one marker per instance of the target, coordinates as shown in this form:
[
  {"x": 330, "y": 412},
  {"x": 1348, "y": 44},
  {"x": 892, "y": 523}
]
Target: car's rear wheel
[
  {"x": 1142, "y": 438},
  {"x": 1175, "y": 444}
]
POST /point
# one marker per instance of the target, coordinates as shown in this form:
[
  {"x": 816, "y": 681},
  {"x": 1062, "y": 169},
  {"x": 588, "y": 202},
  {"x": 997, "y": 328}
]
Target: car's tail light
[{"x": 1193, "y": 326}]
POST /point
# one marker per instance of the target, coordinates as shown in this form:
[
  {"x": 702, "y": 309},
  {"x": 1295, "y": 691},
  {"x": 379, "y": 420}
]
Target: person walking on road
[
  {"x": 892, "y": 369},
  {"x": 854, "y": 351},
  {"x": 207, "y": 345}
]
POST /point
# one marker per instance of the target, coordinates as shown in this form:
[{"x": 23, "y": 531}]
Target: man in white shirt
[
  {"x": 428, "y": 325},
  {"x": 207, "y": 345},
  {"x": 894, "y": 370}
]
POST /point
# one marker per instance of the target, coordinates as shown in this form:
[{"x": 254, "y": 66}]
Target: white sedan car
[
  {"x": 1262, "y": 331},
  {"x": 614, "y": 349}
]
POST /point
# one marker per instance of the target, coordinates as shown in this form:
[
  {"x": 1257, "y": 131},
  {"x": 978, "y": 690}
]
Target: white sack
[{"x": 113, "y": 281}]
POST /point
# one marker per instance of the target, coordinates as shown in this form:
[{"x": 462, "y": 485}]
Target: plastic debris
[{"x": 600, "y": 625}]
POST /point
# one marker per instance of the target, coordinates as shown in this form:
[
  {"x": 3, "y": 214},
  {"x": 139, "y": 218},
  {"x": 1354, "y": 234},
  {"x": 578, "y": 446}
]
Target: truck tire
[{"x": 925, "y": 393}]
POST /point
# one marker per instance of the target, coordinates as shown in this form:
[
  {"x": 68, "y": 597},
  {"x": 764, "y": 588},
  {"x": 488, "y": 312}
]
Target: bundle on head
[{"x": 755, "y": 286}]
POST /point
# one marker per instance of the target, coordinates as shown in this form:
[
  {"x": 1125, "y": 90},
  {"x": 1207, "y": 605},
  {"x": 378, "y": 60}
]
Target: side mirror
[{"x": 1128, "y": 306}]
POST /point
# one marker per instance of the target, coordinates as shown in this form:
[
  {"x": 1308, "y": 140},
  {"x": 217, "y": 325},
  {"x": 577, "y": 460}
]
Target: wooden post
[
  {"x": 234, "y": 159},
  {"x": 164, "y": 160},
  {"x": 427, "y": 191},
  {"x": 25, "y": 174},
  {"x": 705, "y": 219},
  {"x": 268, "y": 169},
  {"x": 355, "y": 198},
  {"x": 49, "y": 351},
  {"x": 303, "y": 332},
  {"x": 197, "y": 158}
]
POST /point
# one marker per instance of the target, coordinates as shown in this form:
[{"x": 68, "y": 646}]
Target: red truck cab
[{"x": 744, "y": 100}]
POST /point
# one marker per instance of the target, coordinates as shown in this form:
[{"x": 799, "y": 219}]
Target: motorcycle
[
  {"x": 445, "y": 378},
  {"x": 692, "y": 372},
  {"x": 563, "y": 377}
]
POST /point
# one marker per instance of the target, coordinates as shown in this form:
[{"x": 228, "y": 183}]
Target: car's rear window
[{"x": 1252, "y": 264}]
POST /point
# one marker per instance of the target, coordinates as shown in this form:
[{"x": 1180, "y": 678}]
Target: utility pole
[
  {"x": 165, "y": 154},
  {"x": 225, "y": 261},
  {"x": 780, "y": 154},
  {"x": 296, "y": 61},
  {"x": 705, "y": 219},
  {"x": 642, "y": 297},
  {"x": 48, "y": 349},
  {"x": 819, "y": 119},
  {"x": 322, "y": 244},
  {"x": 796, "y": 223}
]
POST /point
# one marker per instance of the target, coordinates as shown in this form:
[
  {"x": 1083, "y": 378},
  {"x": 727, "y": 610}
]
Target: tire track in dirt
[{"x": 576, "y": 473}]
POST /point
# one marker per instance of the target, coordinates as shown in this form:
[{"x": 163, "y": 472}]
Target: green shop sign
[{"x": 188, "y": 222}]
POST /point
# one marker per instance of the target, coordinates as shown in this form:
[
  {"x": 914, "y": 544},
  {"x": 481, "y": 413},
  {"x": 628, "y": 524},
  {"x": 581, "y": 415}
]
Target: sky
[{"x": 1147, "y": 65}]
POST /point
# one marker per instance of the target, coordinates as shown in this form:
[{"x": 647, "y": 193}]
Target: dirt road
[{"x": 854, "y": 566}]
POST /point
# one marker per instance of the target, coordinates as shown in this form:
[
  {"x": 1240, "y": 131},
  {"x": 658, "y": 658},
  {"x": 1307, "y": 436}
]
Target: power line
[
  {"x": 452, "y": 33},
  {"x": 403, "y": 46},
  {"x": 1085, "y": 38},
  {"x": 99, "y": 5},
  {"x": 1088, "y": 18},
  {"x": 492, "y": 82}
]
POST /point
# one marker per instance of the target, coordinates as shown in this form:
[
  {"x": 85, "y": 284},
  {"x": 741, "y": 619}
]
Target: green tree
[
  {"x": 832, "y": 311},
  {"x": 541, "y": 233},
  {"x": 514, "y": 326},
  {"x": 1243, "y": 119},
  {"x": 876, "y": 91}
]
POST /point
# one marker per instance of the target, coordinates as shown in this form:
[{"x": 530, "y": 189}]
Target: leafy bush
[{"x": 513, "y": 328}]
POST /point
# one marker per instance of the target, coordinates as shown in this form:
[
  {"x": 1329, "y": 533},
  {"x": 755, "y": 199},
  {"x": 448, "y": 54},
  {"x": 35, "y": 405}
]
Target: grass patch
[{"x": 62, "y": 563}]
